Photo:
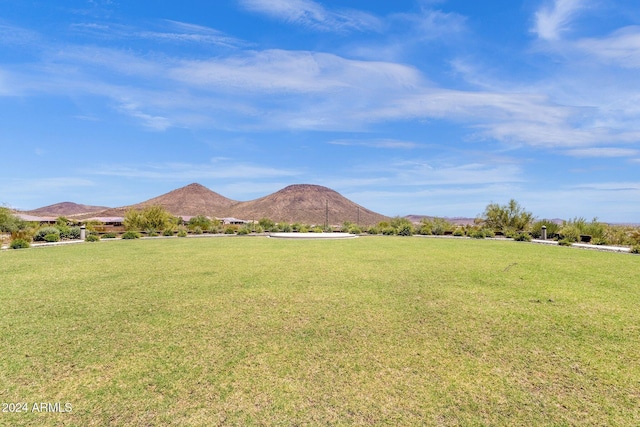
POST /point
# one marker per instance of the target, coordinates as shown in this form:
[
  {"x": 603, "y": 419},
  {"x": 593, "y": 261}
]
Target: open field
[{"x": 376, "y": 330}]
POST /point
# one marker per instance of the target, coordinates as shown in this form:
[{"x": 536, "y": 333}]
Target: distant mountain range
[
  {"x": 65, "y": 209},
  {"x": 304, "y": 203}
]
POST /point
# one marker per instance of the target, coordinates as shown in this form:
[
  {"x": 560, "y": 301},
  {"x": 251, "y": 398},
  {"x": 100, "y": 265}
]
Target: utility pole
[{"x": 326, "y": 215}]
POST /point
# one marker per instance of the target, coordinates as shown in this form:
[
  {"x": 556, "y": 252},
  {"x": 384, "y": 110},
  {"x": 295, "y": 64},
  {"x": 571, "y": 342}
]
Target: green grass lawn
[{"x": 369, "y": 331}]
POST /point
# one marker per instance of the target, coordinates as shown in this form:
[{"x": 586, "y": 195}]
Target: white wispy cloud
[
  {"x": 430, "y": 24},
  {"x": 216, "y": 169},
  {"x": 622, "y": 47},
  {"x": 603, "y": 152},
  {"x": 555, "y": 18},
  {"x": 376, "y": 143},
  {"x": 166, "y": 31},
  {"x": 311, "y": 14},
  {"x": 306, "y": 90}
]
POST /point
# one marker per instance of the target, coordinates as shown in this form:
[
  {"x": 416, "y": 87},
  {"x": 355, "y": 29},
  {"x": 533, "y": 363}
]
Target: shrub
[
  {"x": 285, "y": 227},
  {"x": 92, "y": 238},
  {"x": 110, "y": 235},
  {"x": 25, "y": 234},
  {"x": 373, "y": 230},
  {"x": 244, "y": 230},
  {"x": 131, "y": 235},
  {"x": 71, "y": 233},
  {"x": 182, "y": 233},
  {"x": 44, "y": 231},
  {"x": 52, "y": 238},
  {"x": 569, "y": 232},
  {"x": 152, "y": 233},
  {"x": 10, "y": 223},
  {"x": 197, "y": 230},
  {"x": 19, "y": 244},
  {"x": 200, "y": 221},
  {"x": 635, "y": 249},
  {"x": 435, "y": 226},
  {"x": 439, "y": 226},
  {"x": 354, "y": 229},
  {"x": 552, "y": 228},
  {"x": 477, "y": 234},
  {"x": 522, "y": 237},
  {"x": 458, "y": 232},
  {"x": 405, "y": 230},
  {"x": 267, "y": 224},
  {"x": 230, "y": 229},
  {"x": 566, "y": 242},
  {"x": 507, "y": 217},
  {"x": 316, "y": 229},
  {"x": 389, "y": 231},
  {"x": 167, "y": 233}
]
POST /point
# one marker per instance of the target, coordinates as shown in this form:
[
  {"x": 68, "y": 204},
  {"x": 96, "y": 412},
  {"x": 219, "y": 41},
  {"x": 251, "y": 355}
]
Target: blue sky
[{"x": 406, "y": 106}]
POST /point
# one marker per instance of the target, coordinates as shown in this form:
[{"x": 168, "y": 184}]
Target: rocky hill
[
  {"x": 193, "y": 199},
  {"x": 306, "y": 203},
  {"x": 65, "y": 209}
]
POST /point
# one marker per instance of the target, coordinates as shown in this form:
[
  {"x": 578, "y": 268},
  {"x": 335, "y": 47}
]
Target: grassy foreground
[{"x": 370, "y": 331}]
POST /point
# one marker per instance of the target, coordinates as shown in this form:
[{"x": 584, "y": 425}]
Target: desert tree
[{"x": 507, "y": 218}]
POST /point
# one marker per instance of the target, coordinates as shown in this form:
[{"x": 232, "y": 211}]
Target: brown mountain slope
[
  {"x": 308, "y": 204},
  {"x": 65, "y": 209},
  {"x": 193, "y": 199}
]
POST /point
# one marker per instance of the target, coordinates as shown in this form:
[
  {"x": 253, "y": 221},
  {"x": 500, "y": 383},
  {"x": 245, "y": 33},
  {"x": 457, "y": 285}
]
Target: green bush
[
  {"x": 267, "y": 225},
  {"x": 92, "y": 238},
  {"x": 389, "y": 231},
  {"x": 522, "y": 237},
  {"x": 285, "y": 227},
  {"x": 230, "y": 229},
  {"x": 316, "y": 229},
  {"x": 167, "y": 233},
  {"x": 354, "y": 229},
  {"x": 52, "y": 238},
  {"x": 405, "y": 230},
  {"x": 200, "y": 221},
  {"x": 635, "y": 249},
  {"x": 552, "y": 228},
  {"x": 477, "y": 234},
  {"x": 131, "y": 235},
  {"x": 244, "y": 230},
  {"x": 110, "y": 235},
  {"x": 570, "y": 233},
  {"x": 566, "y": 242},
  {"x": 197, "y": 230},
  {"x": 19, "y": 244},
  {"x": 9, "y": 223},
  {"x": 71, "y": 233},
  {"x": 458, "y": 232},
  {"x": 507, "y": 218},
  {"x": 182, "y": 233},
  {"x": 373, "y": 230},
  {"x": 41, "y": 234}
]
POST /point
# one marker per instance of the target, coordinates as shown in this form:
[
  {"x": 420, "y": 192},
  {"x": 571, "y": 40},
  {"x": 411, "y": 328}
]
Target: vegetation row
[{"x": 509, "y": 221}]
